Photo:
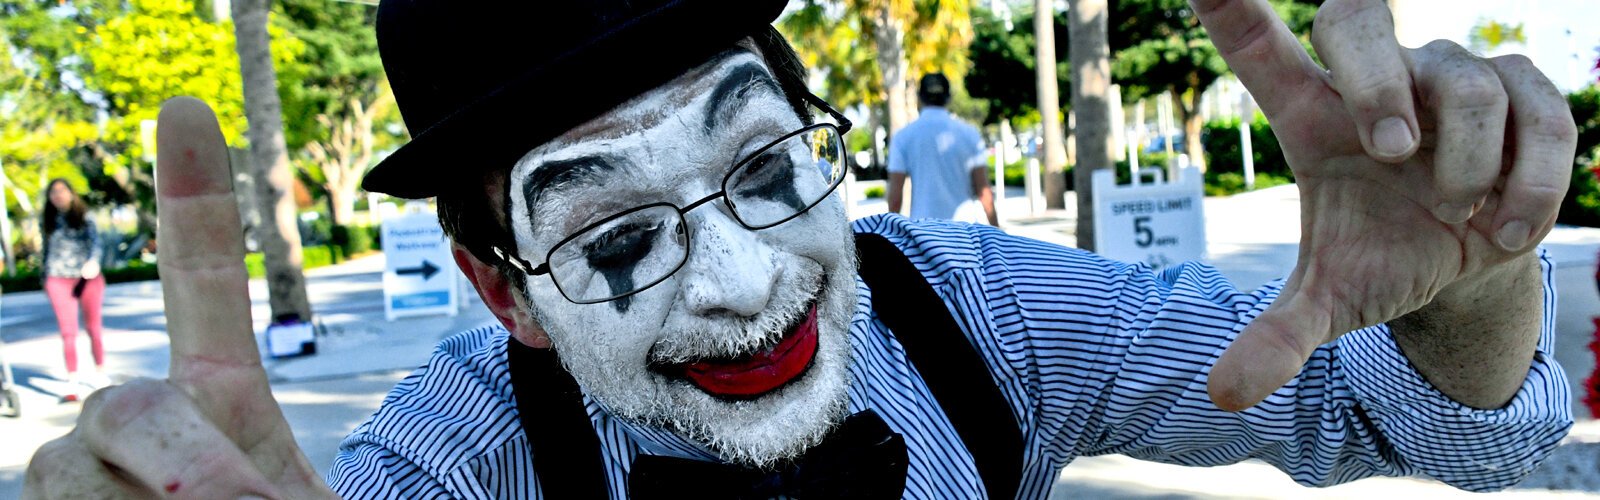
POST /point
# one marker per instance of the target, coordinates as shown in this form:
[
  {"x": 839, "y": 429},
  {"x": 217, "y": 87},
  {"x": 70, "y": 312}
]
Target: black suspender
[
  {"x": 952, "y": 368},
  {"x": 567, "y": 452},
  {"x": 567, "y": 456}
]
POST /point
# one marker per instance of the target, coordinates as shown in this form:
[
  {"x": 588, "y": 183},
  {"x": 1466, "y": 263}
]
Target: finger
[
  {"x": 154, "y": 434},
  {"x": 1468, "y": 104},
  {"x": 1545, "y": 140},
  {"x": 1259, "y": 48},
  {"x": 1355, "y": 38},
  {"x": 201, "y": 241},
  {"x": 1269, "y": 352},
  {"x": 65, "y": 468}
]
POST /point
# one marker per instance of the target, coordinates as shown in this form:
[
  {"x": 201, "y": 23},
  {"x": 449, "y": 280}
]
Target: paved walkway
[{"x": 362, "y": 355}]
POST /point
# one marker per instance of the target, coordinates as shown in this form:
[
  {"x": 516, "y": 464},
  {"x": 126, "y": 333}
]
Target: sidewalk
[{"x": 362, "y": 355}]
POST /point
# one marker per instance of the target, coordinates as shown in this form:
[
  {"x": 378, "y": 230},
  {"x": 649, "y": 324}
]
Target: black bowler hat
[{"x": 481, "y": 83}]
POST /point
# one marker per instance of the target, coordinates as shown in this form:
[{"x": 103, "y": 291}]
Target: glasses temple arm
[{"x": 844, "y": 123}]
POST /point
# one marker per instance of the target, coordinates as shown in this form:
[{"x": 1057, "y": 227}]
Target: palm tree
[
  {"x": 269, "y": 163},
  {"x": 1091, "y": 85},
  {"x": 1055, "y": 152},
  {"x": 898, "y": 40}
]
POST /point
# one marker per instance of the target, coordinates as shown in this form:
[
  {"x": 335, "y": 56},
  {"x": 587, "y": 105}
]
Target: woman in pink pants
[{"x": 72, "y": 278}]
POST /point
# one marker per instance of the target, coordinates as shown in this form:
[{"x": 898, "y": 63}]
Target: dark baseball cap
[{"x": 479, "y": 84}]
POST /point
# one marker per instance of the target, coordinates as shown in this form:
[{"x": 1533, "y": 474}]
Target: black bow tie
[{"x": 861, "y": 459}]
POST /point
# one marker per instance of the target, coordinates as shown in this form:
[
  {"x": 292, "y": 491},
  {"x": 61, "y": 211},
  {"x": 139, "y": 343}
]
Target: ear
[{"x": 503, "y": 299}]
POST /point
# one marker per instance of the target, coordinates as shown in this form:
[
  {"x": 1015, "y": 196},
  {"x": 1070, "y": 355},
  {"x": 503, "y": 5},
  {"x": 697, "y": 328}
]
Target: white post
[
  {"x": 1119, "y": 124},
  {"x": 1164, "y": 127},
  {"x": 849, "y": 195},
  {"x": 1246, "y": 151},
  {"x": 1000, "y": 161},
  {"x": 1031, "y": 185},
  {"x": 1133, "y": 161}
]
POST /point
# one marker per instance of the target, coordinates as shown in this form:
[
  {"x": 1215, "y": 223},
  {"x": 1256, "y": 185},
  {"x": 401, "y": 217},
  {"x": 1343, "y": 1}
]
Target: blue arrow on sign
[{"x": 427, "y": 270}]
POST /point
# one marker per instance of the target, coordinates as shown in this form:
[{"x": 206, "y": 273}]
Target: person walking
[
  {"x": 72, "y": 279},
  {"x": 946, "y": 160}
]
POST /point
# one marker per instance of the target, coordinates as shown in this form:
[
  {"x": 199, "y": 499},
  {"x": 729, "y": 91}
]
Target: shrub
[
  {"x": 874, "y": 191},
  {"x": 1582, "y": 203},
  {"x": 1016, "y": 173},
  {"x": 311, "y": 258},
  {"x": 1224, "y": 153},
  {"x": 352, "y": 240},
  {"x": 1231, "y": 183},
  {"x": 27, "y": 277}
]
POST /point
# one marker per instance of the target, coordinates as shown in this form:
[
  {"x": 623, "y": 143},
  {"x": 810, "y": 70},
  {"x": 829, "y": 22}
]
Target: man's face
[{"x": 744, "y": 347}]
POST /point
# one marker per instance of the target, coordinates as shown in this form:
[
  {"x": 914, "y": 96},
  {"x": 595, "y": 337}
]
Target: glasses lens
[
  {"x": 621, "y": 255},
  {"x": 788, "y": 177}
]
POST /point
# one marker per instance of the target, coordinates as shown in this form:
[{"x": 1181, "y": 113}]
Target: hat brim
[{"x": 546, "y": 101}]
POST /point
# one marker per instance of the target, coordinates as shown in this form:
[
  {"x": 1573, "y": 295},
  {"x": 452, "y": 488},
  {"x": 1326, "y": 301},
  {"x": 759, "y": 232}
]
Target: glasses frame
[{"x": 840, "y": 129}]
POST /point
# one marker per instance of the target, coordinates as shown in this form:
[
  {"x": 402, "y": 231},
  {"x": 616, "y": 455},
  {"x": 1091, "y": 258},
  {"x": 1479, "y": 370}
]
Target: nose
[{"x": 729, "y": 271}]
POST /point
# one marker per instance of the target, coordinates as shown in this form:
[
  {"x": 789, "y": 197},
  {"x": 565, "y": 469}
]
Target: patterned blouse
[{"x": 70, "y": 248}]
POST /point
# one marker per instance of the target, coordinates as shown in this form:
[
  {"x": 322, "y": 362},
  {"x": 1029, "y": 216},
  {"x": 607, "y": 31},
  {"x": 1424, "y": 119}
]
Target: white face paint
[{"x": 737, "y": 298}]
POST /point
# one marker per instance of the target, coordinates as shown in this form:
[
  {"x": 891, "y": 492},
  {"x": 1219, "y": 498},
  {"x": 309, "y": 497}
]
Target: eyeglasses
[{"x": 636, "y": 249}]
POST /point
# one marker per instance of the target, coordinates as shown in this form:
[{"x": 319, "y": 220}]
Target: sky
[{"x": 1563, "y": 35}]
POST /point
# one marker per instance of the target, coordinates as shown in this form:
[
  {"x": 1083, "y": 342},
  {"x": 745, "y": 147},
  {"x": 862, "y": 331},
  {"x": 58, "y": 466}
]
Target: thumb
[{"x": 1269, "y": 352}]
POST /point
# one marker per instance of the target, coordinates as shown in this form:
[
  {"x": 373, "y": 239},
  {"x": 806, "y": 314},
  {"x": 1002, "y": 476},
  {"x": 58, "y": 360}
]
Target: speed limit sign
[{"x": 1159, "y": 223}]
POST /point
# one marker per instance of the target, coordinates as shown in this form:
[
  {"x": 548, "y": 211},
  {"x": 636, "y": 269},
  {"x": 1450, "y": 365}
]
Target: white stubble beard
[{"x": 758, "y": 432}]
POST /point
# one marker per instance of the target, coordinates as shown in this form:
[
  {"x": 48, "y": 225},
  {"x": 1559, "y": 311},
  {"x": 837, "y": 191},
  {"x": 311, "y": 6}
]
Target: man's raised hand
[
  {"x": 1421, "y": 172},
  {"x": 212, "y": 429}
]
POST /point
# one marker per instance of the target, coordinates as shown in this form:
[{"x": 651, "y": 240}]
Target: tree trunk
[
  {"x": 1054, "y": 154},
  {"x": 1193, "y": 124},
  {"x": 342, "y": 205},
  {"x": 890, "y": 38},
  {"x": 279, "y": 232},
  {"x": 1091, "y": 86}
]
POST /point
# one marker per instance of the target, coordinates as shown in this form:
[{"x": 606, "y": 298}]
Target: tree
[
  {"x": 1091, "y": 87},
  {"x": 280, "y": 236},
  {"x": 904, "y": 39},
  {"x": 141, "y": 57},
  {"x": 339, "y": 161},
  {"x": 47, "y": 117},
  {"x": 1047, "y": 82},
  {"x": 339, "y": 113},
  {"x": 1003, "y": 62},
  {"x": 94, "y": 74},
  {"x": 1489, "y": 35},
  {"x": 1161, "y": 47}
]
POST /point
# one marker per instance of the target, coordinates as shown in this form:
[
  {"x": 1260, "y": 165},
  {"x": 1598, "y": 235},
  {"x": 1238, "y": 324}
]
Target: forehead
[{"x": 648, "y": 110}]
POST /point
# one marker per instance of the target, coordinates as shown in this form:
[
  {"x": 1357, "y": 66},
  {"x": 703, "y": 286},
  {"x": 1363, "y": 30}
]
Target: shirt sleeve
[
  {"x": 1107, "y": 357},
  {"x": 898, "y": 162},
  {"x": 91, "y": 238},
  {"x": 366, "y": 468},
  {"x": 980, "y": 153}
]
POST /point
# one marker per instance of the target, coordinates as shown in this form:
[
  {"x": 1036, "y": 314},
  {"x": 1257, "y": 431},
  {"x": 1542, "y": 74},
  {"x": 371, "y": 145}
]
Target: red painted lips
[{"x": 761, "y": 372}]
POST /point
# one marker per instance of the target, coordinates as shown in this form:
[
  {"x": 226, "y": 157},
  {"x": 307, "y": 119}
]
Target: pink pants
[{"x": 66, "y": 306}]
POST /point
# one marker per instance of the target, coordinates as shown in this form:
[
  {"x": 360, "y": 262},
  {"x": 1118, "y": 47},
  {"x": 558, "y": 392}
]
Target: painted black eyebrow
[
  {"x": 560, "y": 174},
  {"x": 740, "y": 81}
]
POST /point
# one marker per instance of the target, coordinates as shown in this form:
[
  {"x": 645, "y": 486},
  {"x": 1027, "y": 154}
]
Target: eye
[
  {"x": 767, "y": 176},
  {"x": 621, "y": 246}
]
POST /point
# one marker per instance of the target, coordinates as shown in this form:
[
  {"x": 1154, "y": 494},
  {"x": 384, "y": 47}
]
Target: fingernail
[
  {"x": 1514, "y": 235},
  {"x": 1453, "y": 213},
  {"x": 1391, "y": 137}
]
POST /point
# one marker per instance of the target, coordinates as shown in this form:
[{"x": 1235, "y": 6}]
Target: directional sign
[
  {"x": 415, "y": 281},
  {"x": 427, "y": 270},
  {"x": 1159, "y": 224}
]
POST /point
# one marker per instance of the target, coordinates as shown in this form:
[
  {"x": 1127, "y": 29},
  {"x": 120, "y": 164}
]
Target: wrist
[
  {"x": 1475, "y": 340},
  {"x": 1470, "y": 290}
]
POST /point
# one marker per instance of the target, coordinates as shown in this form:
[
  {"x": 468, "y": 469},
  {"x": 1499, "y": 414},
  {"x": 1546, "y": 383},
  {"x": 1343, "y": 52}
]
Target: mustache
[{"x": 739, "y": 337}]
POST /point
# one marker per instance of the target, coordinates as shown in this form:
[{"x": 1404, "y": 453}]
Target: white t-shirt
[{"x": 938, "y": 153}]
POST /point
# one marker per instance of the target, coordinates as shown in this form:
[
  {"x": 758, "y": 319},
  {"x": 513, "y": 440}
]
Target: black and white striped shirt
[{"x": 1094, "y": 356}]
